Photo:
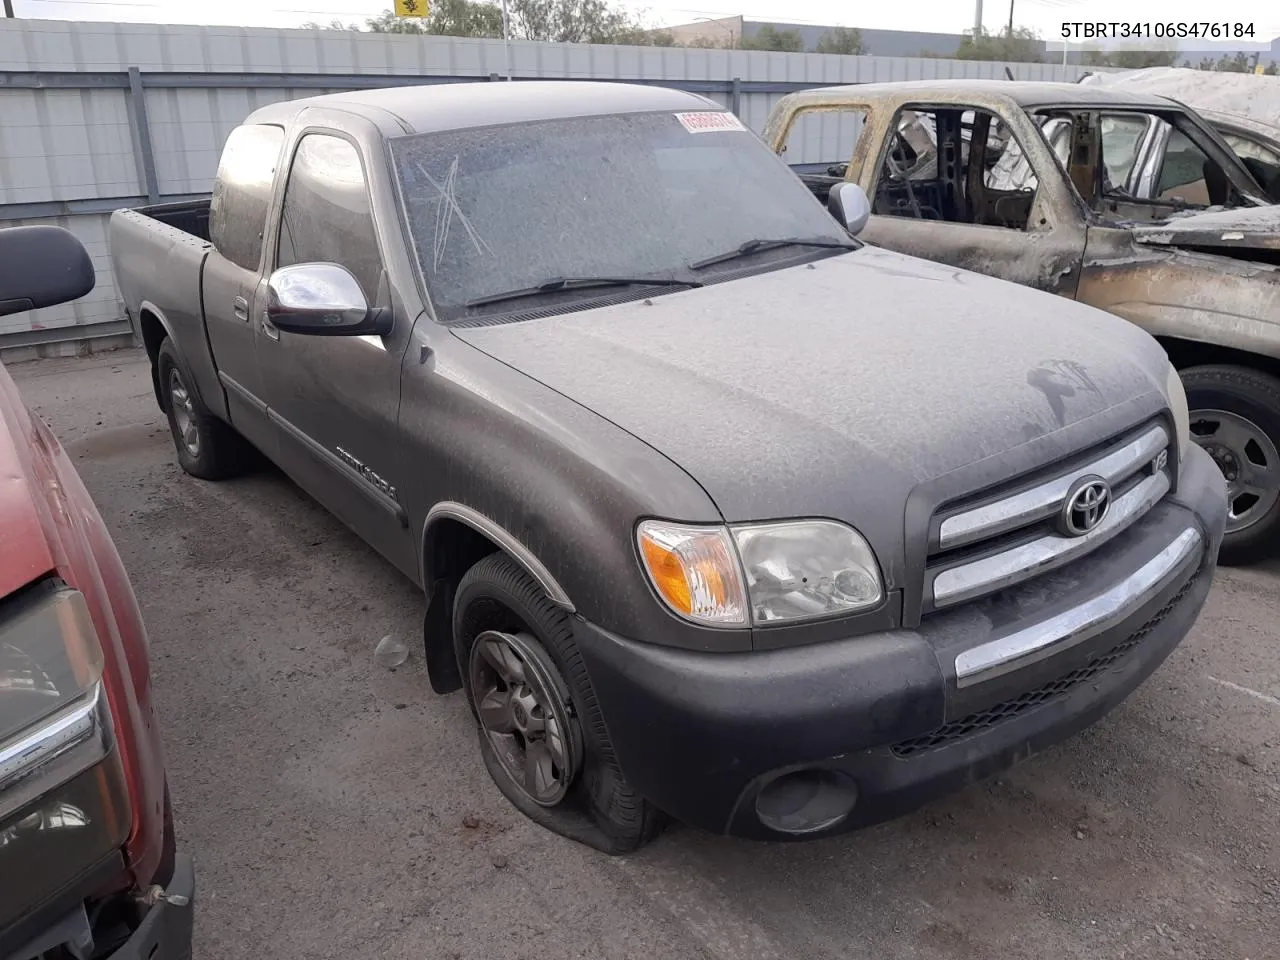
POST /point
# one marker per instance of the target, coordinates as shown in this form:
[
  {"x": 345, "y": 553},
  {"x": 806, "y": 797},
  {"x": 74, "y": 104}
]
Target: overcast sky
[{"x": 944, "y": 16}]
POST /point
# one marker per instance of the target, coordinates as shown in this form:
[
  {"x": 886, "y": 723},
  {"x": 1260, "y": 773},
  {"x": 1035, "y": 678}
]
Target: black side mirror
[
  {"x": 41, "y": 266},
  {"x": 322, "y": 299}
]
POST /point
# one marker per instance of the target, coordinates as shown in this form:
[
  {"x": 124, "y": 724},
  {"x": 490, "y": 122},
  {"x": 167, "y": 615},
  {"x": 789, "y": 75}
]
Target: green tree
[
  {"x": 1240, "y": 62},
  {"x": 331, "y": 25},
  {"x": 579, "y": 21},
  {"x": 842, "y": 40},
  {"x": 1019, "y": 46},
  {"x": 770, "y": 38},
  {"x": 559, "y": 21},
  {"x": 708, "y": 42},
  {"x": 448, "y": 18},
  {"x": 1130, "y": 59}
]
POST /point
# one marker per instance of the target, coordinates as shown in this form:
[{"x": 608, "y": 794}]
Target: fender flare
[
  {"x": 505, "y": 540},
  {"x": 146, "y": 306}
]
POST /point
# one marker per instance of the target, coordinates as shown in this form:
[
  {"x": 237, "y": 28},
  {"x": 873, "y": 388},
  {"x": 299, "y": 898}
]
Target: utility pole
[
  {"x": 506, "y": 37},
  {"x": 977, "y": 18},
  {"x": 1010, "y": 18},
  {"x": 8, "y": 9}
]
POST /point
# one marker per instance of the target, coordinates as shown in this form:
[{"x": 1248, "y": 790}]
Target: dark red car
[{"x": 88, "y": 863}]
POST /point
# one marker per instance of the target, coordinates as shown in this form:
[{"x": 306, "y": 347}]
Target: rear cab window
[{"x": 242, "y": 192}]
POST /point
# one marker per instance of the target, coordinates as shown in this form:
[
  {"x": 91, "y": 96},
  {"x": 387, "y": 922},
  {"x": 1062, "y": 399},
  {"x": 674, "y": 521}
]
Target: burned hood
[
  {"x": 832, "y": 389},
  {"x": 1240, "y": 229}
]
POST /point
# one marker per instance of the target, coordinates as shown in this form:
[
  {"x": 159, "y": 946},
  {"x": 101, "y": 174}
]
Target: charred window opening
[
  {"x": 819, "y": 145},
  {"x": 955, "y": 165},
  {"x": 1259, "y": 159},
  {"x": 1141, "y": 165}
]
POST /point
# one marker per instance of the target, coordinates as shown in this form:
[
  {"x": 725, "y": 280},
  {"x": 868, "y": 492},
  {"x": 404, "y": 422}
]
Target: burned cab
[{"x": 1125, "y": 201}]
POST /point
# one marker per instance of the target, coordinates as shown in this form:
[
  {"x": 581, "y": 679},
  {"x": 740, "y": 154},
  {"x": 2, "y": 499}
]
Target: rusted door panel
[
  {"x": 1047, "y": 261},
  {"x": 1180, "y": 293},
  {"x": 1047, "y": 256}
]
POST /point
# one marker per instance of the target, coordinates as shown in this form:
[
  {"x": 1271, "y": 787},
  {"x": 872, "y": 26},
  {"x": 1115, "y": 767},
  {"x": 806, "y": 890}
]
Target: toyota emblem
[{"x": 1085, "y": 506}]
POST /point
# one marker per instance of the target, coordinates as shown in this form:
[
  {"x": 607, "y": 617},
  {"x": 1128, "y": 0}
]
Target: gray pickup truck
[{"x": 707, "y": 527}]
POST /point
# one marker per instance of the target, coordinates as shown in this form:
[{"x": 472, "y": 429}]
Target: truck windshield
[{"x": 502, "y": 208}]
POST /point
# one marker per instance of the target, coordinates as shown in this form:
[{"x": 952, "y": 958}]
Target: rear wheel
[
  {"x": 542, "y": 736},
  {"x": 207, "y": 447},
  {"x": 1235, "y": 417}
]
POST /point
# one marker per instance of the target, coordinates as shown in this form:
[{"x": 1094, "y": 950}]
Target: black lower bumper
[
  {"x": 701, "y": 735},
  {"x": 165, "y": 932}
]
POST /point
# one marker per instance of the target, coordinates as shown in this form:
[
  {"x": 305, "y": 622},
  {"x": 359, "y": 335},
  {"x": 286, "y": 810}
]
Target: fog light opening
[{"x": 806, "y": 801}]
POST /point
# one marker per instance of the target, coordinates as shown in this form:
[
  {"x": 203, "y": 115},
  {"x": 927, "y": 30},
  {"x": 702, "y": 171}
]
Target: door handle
[
  {"x": 269, "y": 328},
  {"x": 241, "y": 309}
]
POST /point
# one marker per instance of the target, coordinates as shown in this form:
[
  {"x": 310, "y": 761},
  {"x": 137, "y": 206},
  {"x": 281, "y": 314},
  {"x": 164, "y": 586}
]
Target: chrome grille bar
[
  {"x": 1078, "y": 624},
  {"x": 1004, "y": 569},
  {"x": 1043, "y": 500}
]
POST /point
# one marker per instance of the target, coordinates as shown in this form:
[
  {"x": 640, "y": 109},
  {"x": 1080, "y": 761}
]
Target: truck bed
[
  {"x": 158, "y": 254},
  {"x": 189, "y": 216}
]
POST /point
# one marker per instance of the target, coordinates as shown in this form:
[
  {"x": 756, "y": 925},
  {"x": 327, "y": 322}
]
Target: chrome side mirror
[
  {"x": 322, "y": 299},
  {"x": 848, "y": 203}
]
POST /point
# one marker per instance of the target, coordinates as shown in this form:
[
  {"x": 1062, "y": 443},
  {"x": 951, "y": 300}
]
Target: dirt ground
[{"x": 338, "y": 809}]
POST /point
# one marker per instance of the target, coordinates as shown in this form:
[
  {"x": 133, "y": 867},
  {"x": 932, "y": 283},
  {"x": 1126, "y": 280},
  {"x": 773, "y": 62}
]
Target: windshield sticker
[{"x": 708, "y": 121}]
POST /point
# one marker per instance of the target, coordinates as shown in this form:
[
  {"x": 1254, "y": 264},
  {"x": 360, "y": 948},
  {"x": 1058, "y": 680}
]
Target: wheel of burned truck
[
  {"x": 542, "y": 736},
  {"x": 1235, "y": 417},
  {"x": 207, "y": 447}
]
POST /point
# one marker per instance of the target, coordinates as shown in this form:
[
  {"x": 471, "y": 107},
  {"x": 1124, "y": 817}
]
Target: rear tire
[
  {"x": 1235, "y": 417},
  {"x": 585, "y": 796},
  {"x": 207, "y": 448}
]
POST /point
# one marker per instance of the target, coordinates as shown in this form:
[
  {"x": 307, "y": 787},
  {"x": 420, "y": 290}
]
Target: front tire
[
  {"x": 542, "y": 736},
  {"x": 207, "y": 448},
  {"x": 1235, "y": 417}
]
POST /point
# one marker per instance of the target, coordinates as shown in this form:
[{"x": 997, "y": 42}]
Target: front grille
[
  {"x": 993, "y": 541},
  {"x": 975, "y": 723}
]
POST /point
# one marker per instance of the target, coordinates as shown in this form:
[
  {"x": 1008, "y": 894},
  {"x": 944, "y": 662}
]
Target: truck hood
[
  {"x": 1228, "y": 232},
  {"x": 833, "y": 388}
]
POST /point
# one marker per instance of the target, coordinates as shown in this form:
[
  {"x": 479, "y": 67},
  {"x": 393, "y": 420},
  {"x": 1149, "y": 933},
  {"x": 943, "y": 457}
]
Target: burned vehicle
[
  {"x": 1244, "y": 108},
  {"x": 1121, "y": 200}
]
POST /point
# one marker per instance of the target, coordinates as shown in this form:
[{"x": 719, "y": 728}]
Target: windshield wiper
[
  {"x": 756, "y": 246},
  {"x": 580, "y": 283}
]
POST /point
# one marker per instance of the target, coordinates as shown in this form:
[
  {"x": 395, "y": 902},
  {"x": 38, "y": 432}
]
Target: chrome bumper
[{"x": 1029, "y": 644}]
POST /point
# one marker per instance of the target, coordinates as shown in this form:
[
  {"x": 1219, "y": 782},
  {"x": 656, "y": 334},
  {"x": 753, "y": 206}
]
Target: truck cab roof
[
  {"x": 436, "y": 107},
  {"x": 1025, "y": 93}
]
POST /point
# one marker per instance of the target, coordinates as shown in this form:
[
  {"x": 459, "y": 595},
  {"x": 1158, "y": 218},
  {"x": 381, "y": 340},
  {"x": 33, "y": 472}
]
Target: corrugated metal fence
[{"x": 96, "y": 116}]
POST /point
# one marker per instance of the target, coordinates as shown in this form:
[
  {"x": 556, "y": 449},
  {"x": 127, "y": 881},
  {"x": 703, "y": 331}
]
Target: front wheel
[
  {"x": 1235, "y": 417},
  {"x": 542, "y": 735}
]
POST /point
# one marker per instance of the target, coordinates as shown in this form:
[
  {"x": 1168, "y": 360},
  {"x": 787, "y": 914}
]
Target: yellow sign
[{"x": 412, "y": 8}]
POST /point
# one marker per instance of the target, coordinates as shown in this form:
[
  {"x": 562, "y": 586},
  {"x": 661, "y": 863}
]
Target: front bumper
[
  {"x": 163, "y": 934},
  {"x": 701, "y": 735}
]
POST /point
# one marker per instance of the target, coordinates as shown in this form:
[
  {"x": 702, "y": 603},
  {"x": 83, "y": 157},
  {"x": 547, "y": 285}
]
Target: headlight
[
  {"x": 803, "y": 569},
  {"x": 1178, "y": 405},
  {"x": 64, "y": 804},
  {"x": 760, "y": 573}
]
